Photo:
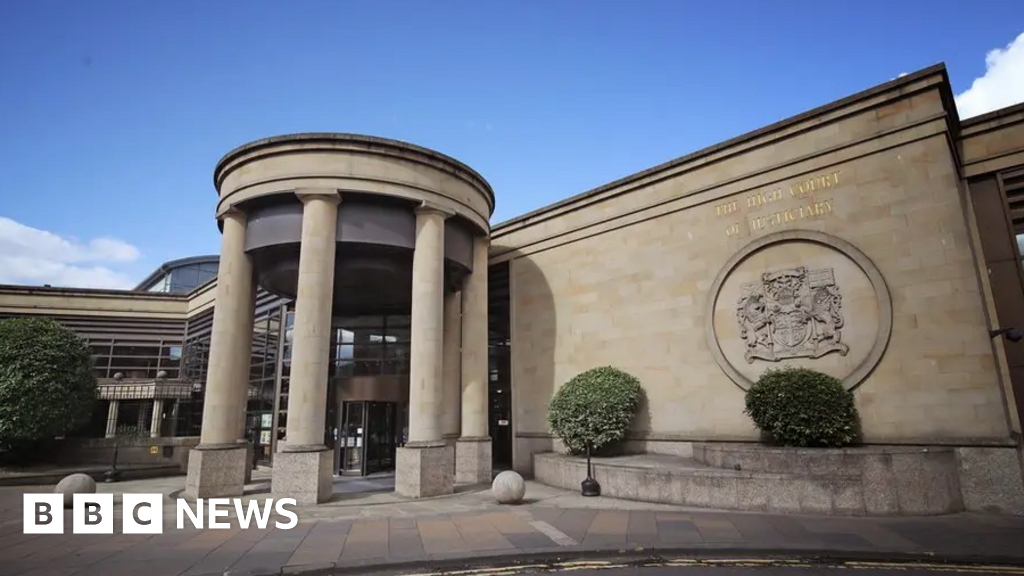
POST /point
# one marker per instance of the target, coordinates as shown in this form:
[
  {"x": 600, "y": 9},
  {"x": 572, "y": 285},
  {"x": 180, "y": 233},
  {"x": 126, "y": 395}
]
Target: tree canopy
[{"x": 47, "y": 387}]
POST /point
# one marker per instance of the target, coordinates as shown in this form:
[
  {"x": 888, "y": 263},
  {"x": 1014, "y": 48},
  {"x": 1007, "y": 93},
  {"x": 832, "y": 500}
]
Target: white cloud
[
  {"x": 1002, "y": 84},
  {"x": 32, "y": 256}
]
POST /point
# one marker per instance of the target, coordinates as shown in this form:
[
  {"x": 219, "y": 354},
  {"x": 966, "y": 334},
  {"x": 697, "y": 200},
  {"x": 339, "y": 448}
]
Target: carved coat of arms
[{"x": 791, "y": 313}]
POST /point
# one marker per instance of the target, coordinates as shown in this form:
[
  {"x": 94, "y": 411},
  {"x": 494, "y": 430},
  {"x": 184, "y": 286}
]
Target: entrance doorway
[{"x": 369, "y": 437}]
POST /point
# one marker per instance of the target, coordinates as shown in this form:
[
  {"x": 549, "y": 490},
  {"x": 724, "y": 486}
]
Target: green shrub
[
  {"x": 47, "y": 387},
  {"x": 802, "y": 407},
  {"x": 595, "y": 407}
]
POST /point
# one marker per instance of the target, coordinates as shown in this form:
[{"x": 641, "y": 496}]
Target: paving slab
[{"x": 377, "y": 530}]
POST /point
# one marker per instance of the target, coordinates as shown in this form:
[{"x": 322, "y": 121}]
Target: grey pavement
[{"x": 379, "y": 530}]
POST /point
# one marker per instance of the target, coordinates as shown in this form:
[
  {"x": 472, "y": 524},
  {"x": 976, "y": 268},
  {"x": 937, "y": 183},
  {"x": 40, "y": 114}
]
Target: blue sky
[{"x": 113, "y": 113}]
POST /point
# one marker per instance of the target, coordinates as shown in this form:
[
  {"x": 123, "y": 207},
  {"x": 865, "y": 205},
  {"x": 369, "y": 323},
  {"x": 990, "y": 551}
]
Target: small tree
[
  {"x": 802, "y": 407},
  {"x": 47, "y": 387},
  {"x": 594, "y": 408}
]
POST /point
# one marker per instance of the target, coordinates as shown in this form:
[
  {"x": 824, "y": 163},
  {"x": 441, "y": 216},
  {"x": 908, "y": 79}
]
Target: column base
[
  {"x": 450, "y": 442},
  {"x": 215, "y": 472},
  {"x": 249, "y": 453},
  {"x": 303, "y": 473},
  {"x": 424, "y": 470},
  {"x": 473, "y": 461}
]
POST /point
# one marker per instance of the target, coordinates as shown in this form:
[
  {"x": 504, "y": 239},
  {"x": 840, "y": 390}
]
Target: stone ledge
[
  {"x": 912, "y": 488},
  {"x": 813, "y": 461},
  {"x": 985, "y": 478}
]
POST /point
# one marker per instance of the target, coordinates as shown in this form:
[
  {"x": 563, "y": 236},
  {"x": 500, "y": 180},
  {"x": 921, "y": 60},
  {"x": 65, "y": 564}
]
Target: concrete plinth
[
  {"x": 425, "y": 470},
  {"x": 473, "y": 461},
  {"x": 216, "y": 472},
  {"x": 303, "y": 474},
  {"x": 250, "y": 452}
]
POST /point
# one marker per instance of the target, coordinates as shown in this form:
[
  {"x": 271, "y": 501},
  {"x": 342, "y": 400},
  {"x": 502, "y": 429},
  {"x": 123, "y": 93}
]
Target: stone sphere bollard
[
  {"x": 75, "y": 484},
  {"x": 508, "y": 488}
]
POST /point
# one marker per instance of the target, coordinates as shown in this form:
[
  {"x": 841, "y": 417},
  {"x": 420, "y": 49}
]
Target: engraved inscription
[
  {"x": 791, "y": 313},
  {"x": 779, "y": 201}
]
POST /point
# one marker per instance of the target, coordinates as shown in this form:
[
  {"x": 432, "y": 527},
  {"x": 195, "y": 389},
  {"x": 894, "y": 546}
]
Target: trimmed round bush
[
  {"x": 594, "y": 408},
  {"x": 803, "y": 407}
]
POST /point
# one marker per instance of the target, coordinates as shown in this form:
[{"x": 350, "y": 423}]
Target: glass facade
[
  {"x": 194, "y": 362},
  {"x": 135, "y": 359},
  {"x": 370, "y": 346},
  {"x": 185, "y": 278},
  {"x": 499, "y": 366},
  {"x": 281, "y": 403},
  {"x": 360, "y": 346},
  {"x": 263, "y": 368},
  {"x": 364, "y": 346}
]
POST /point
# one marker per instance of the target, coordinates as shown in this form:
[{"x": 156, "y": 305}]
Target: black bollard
[
  {"x": 590, "y": 487},
  {"x": 112, "y": 475}
]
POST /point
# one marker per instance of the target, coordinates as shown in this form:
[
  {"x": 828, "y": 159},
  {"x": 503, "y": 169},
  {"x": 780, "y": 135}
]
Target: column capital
[
  {"x": 307, "y": 194},
  {"x": 233, "y": 213},
  {"x": 432, "y": 208}
]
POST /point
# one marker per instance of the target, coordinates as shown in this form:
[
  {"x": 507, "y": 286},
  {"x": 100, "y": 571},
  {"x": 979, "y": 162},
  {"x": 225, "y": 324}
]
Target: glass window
[
  {"x": 185, "y": 278},
  {"x": 159, "y": 285},
  {"x": 362, "y": 345},
  {"x": 151, "y": 350},
  {"x": 399, "y": 328},
  {"x": 396, "y": 359},
  {"x": 343, "y": 339}
]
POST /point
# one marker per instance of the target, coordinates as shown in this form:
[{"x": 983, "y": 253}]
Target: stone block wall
[
  {"x": 862, "y": 481},
  {"x": 623, "y": 277}
]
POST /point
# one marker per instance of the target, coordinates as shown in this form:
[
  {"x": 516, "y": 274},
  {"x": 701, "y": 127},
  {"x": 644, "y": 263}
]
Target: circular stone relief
[{"x": 799, "y": 298}]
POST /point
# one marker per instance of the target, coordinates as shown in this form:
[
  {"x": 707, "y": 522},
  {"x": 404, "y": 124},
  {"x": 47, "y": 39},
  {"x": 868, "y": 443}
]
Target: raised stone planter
[
  {"x": 889, "y": 480},
  {"x": 863, "y": 481}
]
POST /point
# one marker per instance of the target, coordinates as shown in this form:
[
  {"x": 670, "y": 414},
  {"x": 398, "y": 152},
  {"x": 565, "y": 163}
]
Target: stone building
[{"x": 367, "y": 315}]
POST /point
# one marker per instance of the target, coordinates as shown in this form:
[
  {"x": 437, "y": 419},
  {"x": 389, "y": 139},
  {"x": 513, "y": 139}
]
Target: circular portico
[{"x": 347, "y": 224}]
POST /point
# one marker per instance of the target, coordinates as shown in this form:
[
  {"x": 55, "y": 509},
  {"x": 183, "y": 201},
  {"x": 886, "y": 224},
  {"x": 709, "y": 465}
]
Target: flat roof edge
[
  {"x": 993, "y": 115},
  {"x": 935, "y": 69},
  {"x": 368, "y": 141},
  {"x": 108, "y": 292}
]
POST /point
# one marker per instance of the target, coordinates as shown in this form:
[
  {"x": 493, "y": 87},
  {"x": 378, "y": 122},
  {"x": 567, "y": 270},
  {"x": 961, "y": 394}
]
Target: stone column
[
  {"x": 302, "y": 469},
  {"x": 216, "y": 467},
  {"x": 452, "y": 366},
  {"x": 156, "y": 418},
  {"x": 473, "y": 450},
  {"x": 423, "y": 465},
  {"x": 112, "y": 418}
]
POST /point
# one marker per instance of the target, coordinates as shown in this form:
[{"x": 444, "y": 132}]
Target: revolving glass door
[{"x": 369, "y": 437}]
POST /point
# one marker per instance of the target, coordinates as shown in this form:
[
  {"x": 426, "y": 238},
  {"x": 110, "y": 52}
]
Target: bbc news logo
[{"x": 144, "y": 513}]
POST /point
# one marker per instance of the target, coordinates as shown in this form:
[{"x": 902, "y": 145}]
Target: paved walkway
[{"x": 469, "y": 528}]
